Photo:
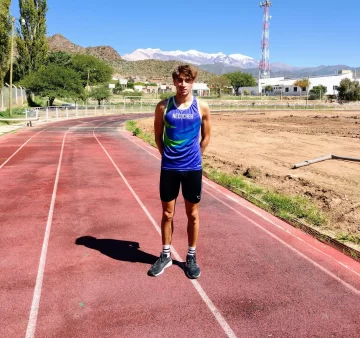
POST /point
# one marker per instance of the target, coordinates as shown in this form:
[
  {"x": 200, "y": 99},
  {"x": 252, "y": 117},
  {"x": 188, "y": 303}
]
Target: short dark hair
[{"x": 187, "y": 70}]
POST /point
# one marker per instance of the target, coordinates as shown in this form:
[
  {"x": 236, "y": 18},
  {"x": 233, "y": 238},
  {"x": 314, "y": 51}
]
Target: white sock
[
  {"x": 166, "y": 250},
  {"x": 191, "y": 250}
]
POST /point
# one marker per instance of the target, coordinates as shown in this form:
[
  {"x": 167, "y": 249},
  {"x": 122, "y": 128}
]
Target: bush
[
  {"x": 136, "y": 132},
  {"x": 126, "y": 93}
]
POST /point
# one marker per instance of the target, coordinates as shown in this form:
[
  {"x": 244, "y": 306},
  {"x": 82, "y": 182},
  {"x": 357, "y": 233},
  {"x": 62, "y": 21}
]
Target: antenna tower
[{"x": 264, "y": 66}]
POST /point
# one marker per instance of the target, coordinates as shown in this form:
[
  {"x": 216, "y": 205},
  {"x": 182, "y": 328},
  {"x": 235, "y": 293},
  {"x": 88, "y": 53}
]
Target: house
[{"x": 200, "y": 89}]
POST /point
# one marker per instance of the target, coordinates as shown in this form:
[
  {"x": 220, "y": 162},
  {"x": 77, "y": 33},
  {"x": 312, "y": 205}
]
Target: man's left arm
[{"x": 205, "y": 125}]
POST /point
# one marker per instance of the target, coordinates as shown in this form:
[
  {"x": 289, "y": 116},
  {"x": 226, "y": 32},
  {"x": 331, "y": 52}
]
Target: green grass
[
  {"x": 343, "y": 237},
  {"x": 294, "y": 208},
  {"x": 16, "y": 113},
  {"x": 290, "y": 208},
  {"x": 148, "y": 138}
]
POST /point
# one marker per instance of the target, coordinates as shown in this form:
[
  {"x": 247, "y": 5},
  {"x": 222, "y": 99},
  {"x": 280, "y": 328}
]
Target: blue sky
[{"x": 302, "y": 33}]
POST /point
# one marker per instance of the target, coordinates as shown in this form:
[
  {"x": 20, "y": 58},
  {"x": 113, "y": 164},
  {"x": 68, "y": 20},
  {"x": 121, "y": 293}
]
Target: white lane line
[
  {"x": 262, "y": 216},
  {"x": 220, "y": 319},
  {"x": 30, "y": 331},
  {"x": 22, "y": 147}
]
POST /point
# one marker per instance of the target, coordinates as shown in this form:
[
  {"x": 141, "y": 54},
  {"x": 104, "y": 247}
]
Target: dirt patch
[{"x": 265, "y": 146}]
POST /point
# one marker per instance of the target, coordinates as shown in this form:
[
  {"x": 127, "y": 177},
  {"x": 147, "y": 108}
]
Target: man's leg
[
  {"x": 169, "y": 190},
  {"x": 167, "y": 221},
  {"x": 193, "y": 225},
  {"x": 191, "y": 188}
]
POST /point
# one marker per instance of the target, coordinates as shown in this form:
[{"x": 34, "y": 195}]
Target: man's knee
[
  {"x": 192, "y": 214},
  {"x": 168, "y": 215}
]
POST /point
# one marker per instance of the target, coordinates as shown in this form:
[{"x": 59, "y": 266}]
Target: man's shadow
[{"x": 121, "y": 250}]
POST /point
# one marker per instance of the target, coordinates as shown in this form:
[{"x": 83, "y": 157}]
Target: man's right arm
[{"x": 159, "y": 125}]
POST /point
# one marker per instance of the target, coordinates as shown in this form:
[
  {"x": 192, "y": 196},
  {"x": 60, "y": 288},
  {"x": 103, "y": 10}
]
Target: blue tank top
[{"x": 181, "y": 137}]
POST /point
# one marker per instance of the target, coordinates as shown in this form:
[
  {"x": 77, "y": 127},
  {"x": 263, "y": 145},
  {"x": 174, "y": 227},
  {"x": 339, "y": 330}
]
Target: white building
[
  {"x": 200, "y": 89},
  {"x": 286, "y": 87}
]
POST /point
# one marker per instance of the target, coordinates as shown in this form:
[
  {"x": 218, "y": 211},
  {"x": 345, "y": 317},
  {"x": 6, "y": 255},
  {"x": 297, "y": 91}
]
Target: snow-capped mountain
[{"x": 192, "y": 56}]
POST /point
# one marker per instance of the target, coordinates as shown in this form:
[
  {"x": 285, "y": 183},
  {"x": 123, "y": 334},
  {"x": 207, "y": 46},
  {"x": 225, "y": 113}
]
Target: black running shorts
[{"x": 191, "y": 184}]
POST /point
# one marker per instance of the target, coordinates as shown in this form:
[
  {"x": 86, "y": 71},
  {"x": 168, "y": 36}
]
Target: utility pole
[
  {"x": 11, "y": 64},
  {"x": 307, "y": 89}
]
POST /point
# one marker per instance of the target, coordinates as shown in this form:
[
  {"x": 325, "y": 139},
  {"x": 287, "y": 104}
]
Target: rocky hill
[
  {"x": 105, "y": 53},
  {"x": 58, "y": 43}
]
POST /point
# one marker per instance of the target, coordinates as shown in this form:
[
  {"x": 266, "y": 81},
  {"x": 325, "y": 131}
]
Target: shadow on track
[{"x": 121, "y": 250}]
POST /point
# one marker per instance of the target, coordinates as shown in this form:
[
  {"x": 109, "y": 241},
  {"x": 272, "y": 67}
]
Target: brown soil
[{"x": 265, "y": 147}]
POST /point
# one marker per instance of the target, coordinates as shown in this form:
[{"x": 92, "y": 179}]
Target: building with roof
[{"x": 285, "y": 86}]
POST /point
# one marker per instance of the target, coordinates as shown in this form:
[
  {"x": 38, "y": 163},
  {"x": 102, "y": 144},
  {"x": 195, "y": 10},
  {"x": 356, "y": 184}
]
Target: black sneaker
[
  {"x": 162, "y": 263},
  {"x": 192, "y": 269}
]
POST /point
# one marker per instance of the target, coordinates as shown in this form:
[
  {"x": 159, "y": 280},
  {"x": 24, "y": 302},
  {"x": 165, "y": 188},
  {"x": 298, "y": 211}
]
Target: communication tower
[{"x": 264, "y": 66}]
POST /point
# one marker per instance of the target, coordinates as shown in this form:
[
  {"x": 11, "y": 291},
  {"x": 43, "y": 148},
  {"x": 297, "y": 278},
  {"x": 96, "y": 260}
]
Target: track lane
[{"x": 25, "y": 194}]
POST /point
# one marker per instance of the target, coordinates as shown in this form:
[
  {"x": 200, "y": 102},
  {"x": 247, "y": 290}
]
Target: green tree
[
  {"x": 269, "y": 89},
  {"x": 217, "y": 83},
  {"x": 31, "y": 38},
  {"x": 54, "y": 81},
  {"x": 130, "y": 84},
  {"x": 239, "y": 79},
  {"x": 92, "y": 70},
  {"x": 100, "y": 93},
  {"x": 59, "y": 58},
  {"x": 349, "y": 90},
  {"x": 5, "y": 28},
  {"x": 317, "y": 92},
  {"x": 118, "y": 89}
]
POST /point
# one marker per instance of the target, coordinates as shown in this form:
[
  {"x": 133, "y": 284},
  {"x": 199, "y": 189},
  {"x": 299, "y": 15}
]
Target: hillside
[
  {"x": 152, "y": 69},
  {"x": 58, "y": 43}
]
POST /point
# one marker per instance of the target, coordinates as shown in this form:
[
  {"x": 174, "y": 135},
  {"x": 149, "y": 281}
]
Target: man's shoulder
[{"x": 162, "y": 104}]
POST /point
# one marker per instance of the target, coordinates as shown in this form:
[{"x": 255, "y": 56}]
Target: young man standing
[{"x": 182, "y": 132}]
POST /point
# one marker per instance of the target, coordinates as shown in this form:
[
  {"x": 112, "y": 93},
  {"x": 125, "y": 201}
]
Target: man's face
[{"x": 183, "y": 85}]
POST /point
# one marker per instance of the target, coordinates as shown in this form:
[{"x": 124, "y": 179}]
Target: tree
[
  {"x": 31, "y": 38},
  {"x": 130, "y": 84},
  {"x": 269, "y": 89},
  {"x": 92, "y": 70},
  {"x": 239, "y": 79},
  {"x": 59, "y": 58},
  {"x": 349, "y": 90},
  {"x": 100, "y": 93},
  {"x": 217, "y": 83},
  {"x": 303, "y": 83},
  {"x": 54, "y": 81},
  {"x": 317, "y": 92},
  {"x": 5, "y": 28}
]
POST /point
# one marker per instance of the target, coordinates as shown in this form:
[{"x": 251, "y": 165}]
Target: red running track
[{"x": 80, "y": 228}]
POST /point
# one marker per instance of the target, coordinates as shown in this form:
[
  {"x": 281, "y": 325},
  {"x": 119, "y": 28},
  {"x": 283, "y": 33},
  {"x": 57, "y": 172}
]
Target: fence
[
  {"x": 18, "y": 97},
  {"x": 64, "y": 112}
]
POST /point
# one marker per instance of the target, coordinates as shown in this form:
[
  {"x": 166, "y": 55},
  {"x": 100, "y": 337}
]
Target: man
[{"x": 182, "y": 133}]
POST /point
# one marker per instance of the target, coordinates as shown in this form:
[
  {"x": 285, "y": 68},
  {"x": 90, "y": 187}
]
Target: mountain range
[{"x": 153, "y": 62}]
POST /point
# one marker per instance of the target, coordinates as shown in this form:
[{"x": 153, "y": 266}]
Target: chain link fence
[{"x": 18, "y": 97}]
